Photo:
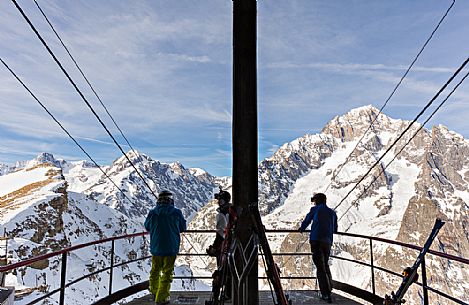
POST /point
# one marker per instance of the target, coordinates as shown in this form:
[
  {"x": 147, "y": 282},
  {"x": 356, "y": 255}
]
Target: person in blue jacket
[
  {"x": 165, "y": 224},
  {"x": 324, "y": 225}
]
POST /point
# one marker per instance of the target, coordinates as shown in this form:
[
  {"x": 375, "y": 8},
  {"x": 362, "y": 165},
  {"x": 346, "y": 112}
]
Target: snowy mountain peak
[
  {"x": 442, "y": 130},
  {"x": 353, "y": 124},
  {"x": 84, "y": 164},
  {"x": 42, "y": 158},
  {"x": 135, "y": 157},
  {"x": 5, "y": 169},
  {"x": 363, "y": 109},
  {"x": 197, "y": 171},
  {"x": 429, "y": 178},
  {"x": 177, "y": 167},
  {"x": 45, "y": 157}
]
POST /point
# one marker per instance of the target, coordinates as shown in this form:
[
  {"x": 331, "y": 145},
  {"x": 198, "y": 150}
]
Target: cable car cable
[
  {"x": 405, "y": 130},
  {"x": 336, "y": 173},
  {"x": 84, "y": 76},
  {"x": 63, "y": 129},
  {"x": 81, "y": 94},
  {"x": 402, "y": 148}
]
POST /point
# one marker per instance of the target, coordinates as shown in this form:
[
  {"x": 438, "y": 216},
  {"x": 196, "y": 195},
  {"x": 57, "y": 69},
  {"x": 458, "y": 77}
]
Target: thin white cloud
[
  {"x": 124, "y": 146},
  {"x": 184, "y": 57},
  {"x": 350, "y": 67},
  {"x": 25, "y": 148},
  {"x": 273, "y": 149},
  {"x": 380, "y": 72}
]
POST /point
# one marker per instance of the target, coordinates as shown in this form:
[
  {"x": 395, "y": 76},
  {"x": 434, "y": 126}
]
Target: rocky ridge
[
  {"x": 62, "y": 203},
  {"x": 428, "y": 179}
]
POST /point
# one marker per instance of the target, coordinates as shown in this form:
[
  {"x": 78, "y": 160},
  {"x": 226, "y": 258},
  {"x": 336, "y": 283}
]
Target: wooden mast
[{"x": 245, "y": 145}]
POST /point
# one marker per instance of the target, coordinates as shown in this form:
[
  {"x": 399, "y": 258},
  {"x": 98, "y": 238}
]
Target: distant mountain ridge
[
  {"x": 48, "y": 204},
  {"x": 429, "y": 179}
]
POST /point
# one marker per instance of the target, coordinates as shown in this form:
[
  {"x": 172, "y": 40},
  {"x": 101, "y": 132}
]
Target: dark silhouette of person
[
  {"x": 223, "y": 199},
  {"x": 324, "y": 225}
]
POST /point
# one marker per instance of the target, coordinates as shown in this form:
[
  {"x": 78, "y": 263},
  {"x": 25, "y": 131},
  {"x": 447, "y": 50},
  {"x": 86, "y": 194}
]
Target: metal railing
[
  {"x": 423, "y": 268},
  {"x": 371, "y": 264}
]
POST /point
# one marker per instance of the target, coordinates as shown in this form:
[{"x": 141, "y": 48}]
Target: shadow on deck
[{"x": 298, "y": 297}]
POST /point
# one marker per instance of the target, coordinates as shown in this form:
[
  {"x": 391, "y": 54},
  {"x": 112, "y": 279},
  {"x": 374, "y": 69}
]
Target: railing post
[
  {"x": 111, "y": 271},
  {"x": 424, "y": 282},
  {"x": 372, "y": 268},
  {"x": 63, "y": 274}
]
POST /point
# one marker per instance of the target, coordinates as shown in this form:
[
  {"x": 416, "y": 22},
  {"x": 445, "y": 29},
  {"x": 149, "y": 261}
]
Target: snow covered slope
[
  {"x": 47, "y": 205},
  {"x": 428, "y": 179},
  {"x": 62, "y": 203}
]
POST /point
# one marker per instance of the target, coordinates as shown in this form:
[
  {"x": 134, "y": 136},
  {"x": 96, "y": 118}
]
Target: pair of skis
[
  {"x": 220, "y": 275},
  {"x": 410, "y": 273},
  {"x": 273, "y": 271}
]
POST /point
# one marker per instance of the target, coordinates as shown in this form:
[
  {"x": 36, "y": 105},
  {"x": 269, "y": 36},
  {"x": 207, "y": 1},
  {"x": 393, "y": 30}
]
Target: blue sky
[{"x": 163, "y": 69}]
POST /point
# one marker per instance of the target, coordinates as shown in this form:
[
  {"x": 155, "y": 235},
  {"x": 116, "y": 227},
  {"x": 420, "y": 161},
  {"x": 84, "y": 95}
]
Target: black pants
[
  {"x": 321, "y": 252},
  {"x": 228, "y": 279}
]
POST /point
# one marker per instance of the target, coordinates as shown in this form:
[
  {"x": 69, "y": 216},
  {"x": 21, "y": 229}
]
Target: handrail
[
  {"x": 65, "y": 251},
  {"x": 35, "y": 259},
  {"x": 388, "y": 241},
  {"x": 101, "y": 241}
]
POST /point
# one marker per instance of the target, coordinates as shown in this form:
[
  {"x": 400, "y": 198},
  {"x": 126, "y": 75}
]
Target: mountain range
[{"x": 48, "y": 204}]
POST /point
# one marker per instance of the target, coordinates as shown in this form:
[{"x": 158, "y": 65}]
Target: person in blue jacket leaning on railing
[
  {"x": 324, "y": 225},
  {"x": 165, "y": 224}
]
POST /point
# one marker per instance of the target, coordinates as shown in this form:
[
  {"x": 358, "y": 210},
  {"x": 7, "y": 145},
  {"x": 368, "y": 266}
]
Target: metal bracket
[{"x": 247, "y": 256}]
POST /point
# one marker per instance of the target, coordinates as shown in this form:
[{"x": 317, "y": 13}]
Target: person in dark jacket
[
  {"x": 324, "y": 225},
  {"x": 223, "y": 199},
  {"x": 165, "y": 224}
]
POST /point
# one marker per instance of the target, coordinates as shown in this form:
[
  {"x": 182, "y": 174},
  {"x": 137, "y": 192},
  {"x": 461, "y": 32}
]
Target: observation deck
[
  {"x": 298, "y": 297},
  {"x": 111, "y": 274}
]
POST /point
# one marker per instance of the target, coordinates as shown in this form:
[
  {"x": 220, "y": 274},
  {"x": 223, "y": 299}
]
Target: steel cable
[
  {"x": 65, "y": 130},
  {"x": 336, "y": 173},
  {"x": 81, "y": 94},
  {"x": 402, "y": 148},
  {"x": 84, "y": 77},
  {"x": 405, "y": 130}
]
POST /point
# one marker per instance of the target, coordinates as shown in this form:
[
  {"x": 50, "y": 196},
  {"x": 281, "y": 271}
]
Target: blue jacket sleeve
[
  {"x": 307, "y": 220},
  {"x": 182, "y": 223},
  {"x": 148, "y": 221},
  {"x": 336, "y": 228}
]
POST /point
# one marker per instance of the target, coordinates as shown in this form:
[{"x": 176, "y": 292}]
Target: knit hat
[{"x": 165, "y": 197}]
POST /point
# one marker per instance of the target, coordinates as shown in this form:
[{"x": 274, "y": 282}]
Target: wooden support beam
[{"x": 245, "y": 155}]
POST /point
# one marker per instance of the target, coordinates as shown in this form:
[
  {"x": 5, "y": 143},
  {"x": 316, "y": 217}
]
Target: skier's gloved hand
[{"x": 211, "y": 251}]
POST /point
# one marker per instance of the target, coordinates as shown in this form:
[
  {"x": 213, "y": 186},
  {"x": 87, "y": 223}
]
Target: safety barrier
[{"x": 346, "y": 287}]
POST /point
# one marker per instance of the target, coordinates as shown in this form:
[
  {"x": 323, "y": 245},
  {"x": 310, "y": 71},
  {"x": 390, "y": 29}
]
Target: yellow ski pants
[{"x": 161, "y": 276}]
